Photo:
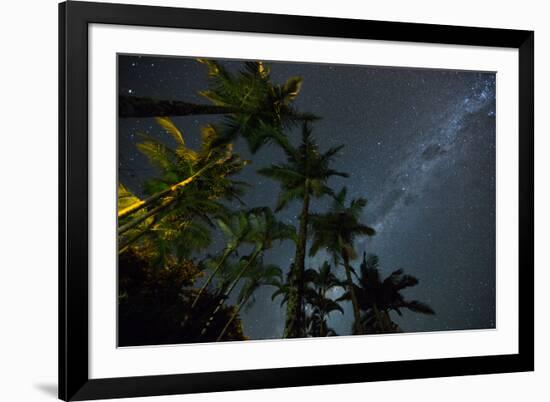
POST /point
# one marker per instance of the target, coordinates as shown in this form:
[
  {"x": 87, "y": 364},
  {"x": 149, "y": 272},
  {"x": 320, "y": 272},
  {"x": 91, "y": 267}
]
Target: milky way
[{"x": 420, "y": 146}]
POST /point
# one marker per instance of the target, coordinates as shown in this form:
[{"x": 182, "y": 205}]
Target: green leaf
[
  {"x": 291, "y": 87},
  {"x": 171, "y": 129}
]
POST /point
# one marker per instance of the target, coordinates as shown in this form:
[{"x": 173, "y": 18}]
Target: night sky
[{"x": 420, "y": 146}]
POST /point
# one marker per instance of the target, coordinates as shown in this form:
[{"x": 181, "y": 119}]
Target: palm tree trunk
[
  {"x": 211, "y": 277},
  {"x": 134, "y": 222},
  {"x": 228, "y": 292},
  {"x": 294, "y": 311},
  {"x": 136, "y": 206},
  {"x": 140, "y": 107},
  {"x": 123, "y": 245},
  {"x": 322, "y": 330},
  {"x": 357, "y": 316},
  {"x": 233, "y": 316},
  {"x": 377, "y": 318}
]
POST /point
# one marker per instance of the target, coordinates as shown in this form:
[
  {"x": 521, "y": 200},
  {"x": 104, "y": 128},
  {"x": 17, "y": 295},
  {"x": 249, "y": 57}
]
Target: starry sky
[{"x": 419, "y": 145}]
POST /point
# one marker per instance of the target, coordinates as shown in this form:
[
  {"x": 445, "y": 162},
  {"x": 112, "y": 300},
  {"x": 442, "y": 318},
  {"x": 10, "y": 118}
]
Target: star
[{"x": 434, "y": 212}]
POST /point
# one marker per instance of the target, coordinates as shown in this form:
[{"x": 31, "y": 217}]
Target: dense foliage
[{"x": 178, "y": 285}]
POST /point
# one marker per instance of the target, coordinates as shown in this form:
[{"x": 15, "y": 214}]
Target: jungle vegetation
[{"x": 172, "y": 291}]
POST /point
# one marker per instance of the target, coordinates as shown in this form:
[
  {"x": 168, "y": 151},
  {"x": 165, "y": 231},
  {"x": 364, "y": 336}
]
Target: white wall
[{"x": 28, "y": 201}]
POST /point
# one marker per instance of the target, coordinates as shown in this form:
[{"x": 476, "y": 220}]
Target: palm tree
[
  {"x": 257, "y": 276},
  {"x": 179, "y": 230},
  {"x": 304, "y": 175},
  {"x": 378, "y": 297},
  {"x": 336, "y": 232},
  {"x": 154, "y": 300},
  {"x": 183, "y": 166},
  {"x": 236, "y": 228},
  {"x": 254, "y": 107},
  {"x": 190, "y": 187},
  {"x": 264, "y": 230},
  {"x": 319, "y": 284},
  {"x": 282, "y": 287}
]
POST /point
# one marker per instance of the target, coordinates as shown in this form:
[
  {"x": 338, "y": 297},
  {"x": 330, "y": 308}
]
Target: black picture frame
[{"x": 74, "y": 381}]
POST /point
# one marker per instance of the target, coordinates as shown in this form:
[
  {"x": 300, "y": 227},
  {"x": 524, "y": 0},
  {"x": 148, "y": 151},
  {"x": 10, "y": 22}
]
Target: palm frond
[
  {"x": 291, "y": 88},
  {"x": 171, "y": 129},
  {"x": 419, "y": 307}
]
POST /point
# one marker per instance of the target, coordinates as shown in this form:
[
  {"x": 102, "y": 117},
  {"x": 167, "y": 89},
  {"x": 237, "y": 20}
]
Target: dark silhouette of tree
[
  {"x": 168, "y": 295},
  {"x": 377, "y": 297},
  {"x": 319, "y": 283},
  {"x": 237, "y": 229},
  {"x": 264, "y": 230},
  {"x": 304, "y": 175},
  {"x": 153, "y": 301},
  {"x": 254, "y": 107},
  {"x": 186, "y": 194},
  {"x": 257, "y": 276},
  {"x": 282, "y": 286},
  {"x": 336, "y": 231}
]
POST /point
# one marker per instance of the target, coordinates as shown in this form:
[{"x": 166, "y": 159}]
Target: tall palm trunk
[
  {"x": 383, "y": 320},
  {"x": 140, "y": 107},
  {"x": 136, "y": 206},
  {"x": 232, "y": 318},
  {"x": 323, "y": 330},
  {"x": 294, "y": 308},
  {"x": 357, "y": 316},
  {"x": 323, "y": 327},
  {"x": 125, "y": 243},
  {"x": 136, "y": 221},
  {"x": 211, "y": 277},
  {"x": 228, "y": 292}
]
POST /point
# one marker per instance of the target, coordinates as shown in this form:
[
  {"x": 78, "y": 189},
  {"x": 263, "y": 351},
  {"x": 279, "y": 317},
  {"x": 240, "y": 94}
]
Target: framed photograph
[{"x": 256, "y": 201}]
